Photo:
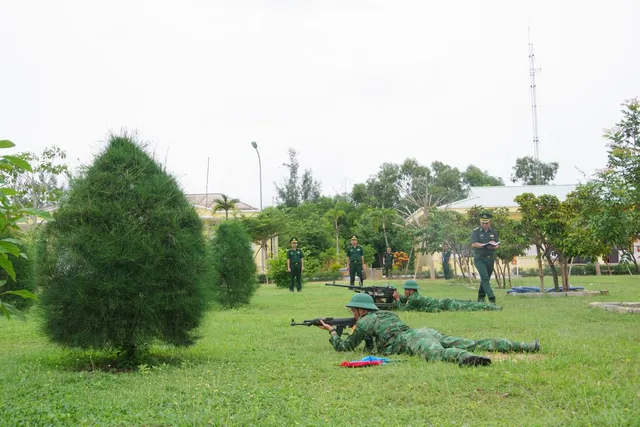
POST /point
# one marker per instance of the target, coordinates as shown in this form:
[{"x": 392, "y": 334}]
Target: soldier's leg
[
  {"x": 490, "y": 344},
  {"x": 482, "y": 270},
  {"x": 352, "y": 274},
  {"x": 299, "y": 278},
  {"x": 445, "y": 267},
  {"x": 292, "y": 275},
  {"x": 489, "y": 291},
  {"x": 359, "y": 270},
  {"x": 449, "y": 304},
  {"x": 422, "y": 342}
]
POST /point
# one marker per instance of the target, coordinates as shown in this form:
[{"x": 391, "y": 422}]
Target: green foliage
[
  {"x": 43, "y": 183},
  {"x": 473, "y": 176},
  {"x": 297, "y": 189},
  {"x": 226, "y": 204},
  {"x": 24, "y": 268},
  {"x": 624, "y": 148},
  {"x": 530, "y": 171},
  {"x": 278, "y": 273},
  {"x": 14, "y": 269},
  {"x": 233, "y": 265},
  {"x": 123, "y": 264},
  {"x": 278, "y": 270},
  {"x": 253, "y": 369}
]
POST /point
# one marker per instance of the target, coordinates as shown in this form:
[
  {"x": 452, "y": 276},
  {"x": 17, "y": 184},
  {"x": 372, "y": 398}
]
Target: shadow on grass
[{"x": 111, "y": 362}]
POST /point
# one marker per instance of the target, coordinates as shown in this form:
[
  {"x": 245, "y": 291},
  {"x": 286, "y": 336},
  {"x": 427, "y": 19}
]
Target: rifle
[
  {"x": 338, "y": 323},
  {"x": 382, "y": 295}
]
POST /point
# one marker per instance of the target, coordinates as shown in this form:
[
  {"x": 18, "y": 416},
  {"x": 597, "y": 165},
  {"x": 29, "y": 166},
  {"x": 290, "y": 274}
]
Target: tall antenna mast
[{"x": 534, "y": 107}]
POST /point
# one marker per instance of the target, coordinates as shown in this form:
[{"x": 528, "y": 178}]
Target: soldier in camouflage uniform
[
  {"x": 413, "y": 301},
  {"x": 391, "y": 336}
]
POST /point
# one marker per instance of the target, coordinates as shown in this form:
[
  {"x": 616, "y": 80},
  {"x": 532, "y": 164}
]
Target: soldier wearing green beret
[
  {"x": 355, "y": 258},
  {"x": 413, "y": 301},
  {"x": 485, "y": 241},
  {"x": 388, "y": 263},
  {"x": 387, "y": 335},
  {"x": 295, "y": 265}
]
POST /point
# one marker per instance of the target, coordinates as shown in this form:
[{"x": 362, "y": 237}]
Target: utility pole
[
  {"x": 534, "y": 107},
  {"x": 206, "y": 191}
]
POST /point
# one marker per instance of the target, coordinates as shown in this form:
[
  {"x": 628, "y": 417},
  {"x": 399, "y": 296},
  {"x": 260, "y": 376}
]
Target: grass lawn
[{"x": 252, "y": 368}]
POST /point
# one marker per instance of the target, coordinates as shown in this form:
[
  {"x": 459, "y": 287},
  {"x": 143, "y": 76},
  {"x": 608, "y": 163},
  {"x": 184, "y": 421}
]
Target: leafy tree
[
  {"x": 606, "y": 217},
  {"x": 473, "y": 176},
  {"x": 295, "y": 189},
  {"x": 43, "y": 184},
  {"x": 123, "y": 264},
  {"x": 548, "y": 222},
  {"x": 530, "y": 171},
  {"x": 226, "y": 204},
  {"x": 514, "y": 242},
  {"x": 264, "y": 226},
  {"x": 448, "y": 182},
  {"x": 11, "y": 255},
  {"x": 334, "y": 215},
  {"x": 624, "y": 148},
  {"x": 233, "y": 265}
]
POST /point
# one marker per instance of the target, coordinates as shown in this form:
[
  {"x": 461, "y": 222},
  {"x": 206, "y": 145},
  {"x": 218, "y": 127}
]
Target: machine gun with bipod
[{"x": 382, "y": 295}]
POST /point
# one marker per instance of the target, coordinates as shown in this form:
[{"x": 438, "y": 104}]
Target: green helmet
[
  {"x": 410, "y": 284},
  {"x": 361, "y": 300}
]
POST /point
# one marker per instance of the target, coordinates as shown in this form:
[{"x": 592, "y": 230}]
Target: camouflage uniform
[
  {"x": 391, "y": 336},
  {"x": 418, "y": 302}
]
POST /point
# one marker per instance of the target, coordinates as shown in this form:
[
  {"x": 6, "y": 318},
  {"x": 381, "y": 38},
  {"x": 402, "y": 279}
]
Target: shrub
[
  {"x": 124, "y": 261},
  {"x": 233, "y": 266},
  {"x": 278, "y": 273},
  {"x": 25, "y": 275}
]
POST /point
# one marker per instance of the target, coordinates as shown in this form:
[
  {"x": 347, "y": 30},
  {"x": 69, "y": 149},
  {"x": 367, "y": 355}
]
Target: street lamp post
[{"x": 255, "y": 145}]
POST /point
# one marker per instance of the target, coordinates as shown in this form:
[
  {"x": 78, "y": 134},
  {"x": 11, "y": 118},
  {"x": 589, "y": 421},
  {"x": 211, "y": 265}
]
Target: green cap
[
  {"x": 485, "y": 217},
  {"x": 410, "y": 284},
  {"x": 354, "y": 237},
  {"x": 361, "y": 300},
  {"x": 293, "y": 239}
]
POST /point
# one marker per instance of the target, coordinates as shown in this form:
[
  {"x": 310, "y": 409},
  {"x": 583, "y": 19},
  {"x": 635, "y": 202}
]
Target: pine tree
[
  {"x": 233, "y": 265},
  {"x": 124, "y": 261}
]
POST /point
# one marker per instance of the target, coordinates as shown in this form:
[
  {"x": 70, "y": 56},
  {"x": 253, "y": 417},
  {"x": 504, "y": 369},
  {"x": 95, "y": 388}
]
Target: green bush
[
  {"x": 25, "y": 274},
  {"x": 233, "y": 266},
  {"x": 279, "y": 275},
  {"x": 123, "y": 263}
]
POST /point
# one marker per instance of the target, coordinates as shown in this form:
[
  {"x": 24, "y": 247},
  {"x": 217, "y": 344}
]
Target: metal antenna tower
[{"x": 534, "y": 107}]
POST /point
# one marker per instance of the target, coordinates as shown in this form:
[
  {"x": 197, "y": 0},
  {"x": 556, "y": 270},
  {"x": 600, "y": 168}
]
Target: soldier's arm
[
  {"x": 351, "y": 342},
  {"x": 474, "y": 240}
]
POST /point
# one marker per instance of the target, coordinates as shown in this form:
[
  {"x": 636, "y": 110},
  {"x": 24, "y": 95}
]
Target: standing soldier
[
  {"x": 446, "y": 254},
  {"x": 295, "y": 265},
  {"x": 388, "y": 263},
  {"x": 484, "y": 241},
  {"x": 355, "y": 257}
]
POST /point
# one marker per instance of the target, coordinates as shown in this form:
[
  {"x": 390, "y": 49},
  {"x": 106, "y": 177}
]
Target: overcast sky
[{"x": 348, "y": 83}]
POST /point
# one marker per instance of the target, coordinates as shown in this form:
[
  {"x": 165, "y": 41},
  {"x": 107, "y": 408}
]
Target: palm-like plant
[
  {"x": 224, "y": 203},
  {"x": 334, "y": 214}
]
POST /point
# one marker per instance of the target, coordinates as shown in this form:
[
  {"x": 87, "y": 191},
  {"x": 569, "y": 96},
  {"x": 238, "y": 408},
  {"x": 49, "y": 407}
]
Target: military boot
[
  {"x": 474, "y": 360},
  {"x": 492, "y": 300},
  {"x": 531, "y": 347},
  {"x": 480, "y": 299}
]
